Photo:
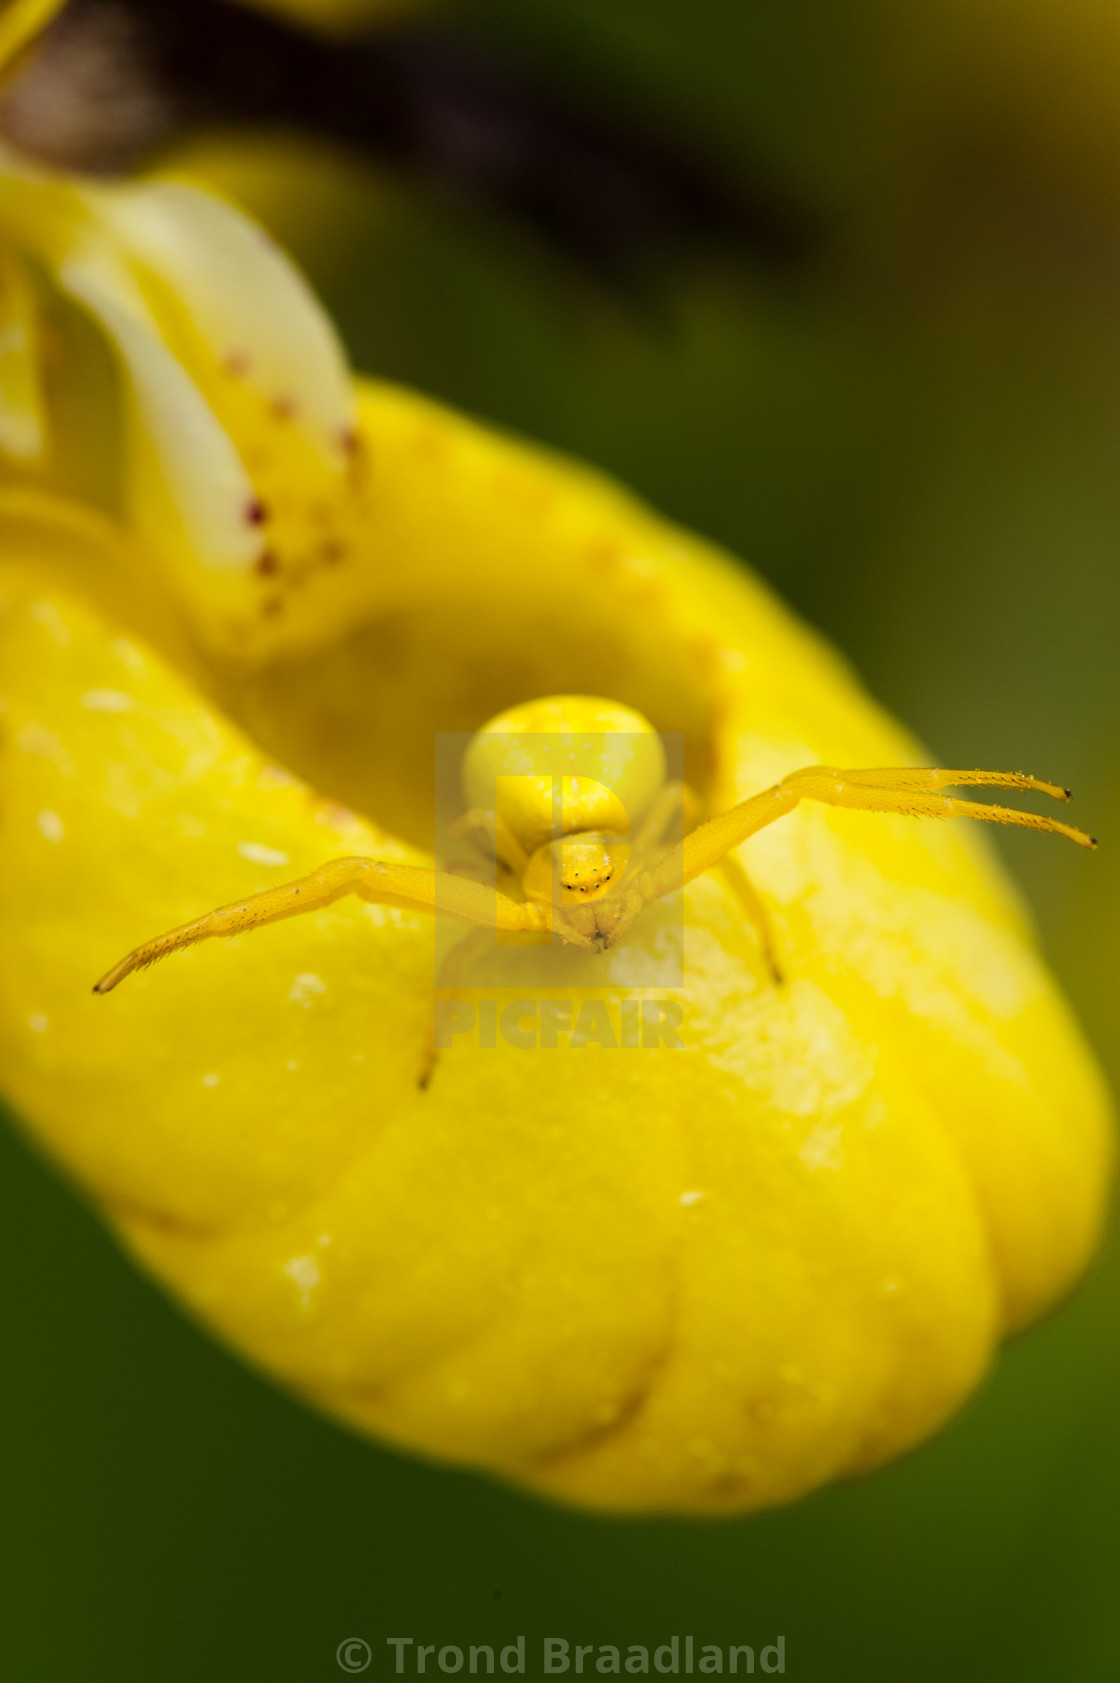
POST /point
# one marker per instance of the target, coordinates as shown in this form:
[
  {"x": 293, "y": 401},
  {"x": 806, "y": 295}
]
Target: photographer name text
[{"x": 558, "y": 1655}]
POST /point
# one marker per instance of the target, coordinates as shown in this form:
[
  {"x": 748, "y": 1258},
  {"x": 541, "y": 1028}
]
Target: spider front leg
[
  {"x": 412, "y": 887},
  {"x": 677, "y": 804},
  {"x": 910, "y": 791}
]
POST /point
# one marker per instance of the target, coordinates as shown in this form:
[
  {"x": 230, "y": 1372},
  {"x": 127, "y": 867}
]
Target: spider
[{"x": 582, "y": 855}]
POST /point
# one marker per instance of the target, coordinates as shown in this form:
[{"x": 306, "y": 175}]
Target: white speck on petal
[
  {"x": 51, "y": 827},
  {"x": 48, "y": 616},
  {"x": 211, "y": 1080},
  {"x": 303, "y": 1271},
  {"x": 324, "y": 1238},
  {"x": 306, "y": 987},
  {"x": 37, "y": 739},
  {"x": 688, "y": 1198},
  {"x": 334, "y": 817},
  {"x": 129, "y": 655},
  {"x": 37, "y": 1023},
  {"x": 291, "y": 1064},
  {"x": 275, "y": 777},
  {"x": 258, "y": 854},
  {"x": 106, "y": 701},
  {"x": 822, "y": 1148}
]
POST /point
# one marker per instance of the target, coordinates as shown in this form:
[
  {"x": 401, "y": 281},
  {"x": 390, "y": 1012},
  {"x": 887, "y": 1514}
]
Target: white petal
[
  {"x": 181, "y": 441},
  {"x": 248, "y": 303}
]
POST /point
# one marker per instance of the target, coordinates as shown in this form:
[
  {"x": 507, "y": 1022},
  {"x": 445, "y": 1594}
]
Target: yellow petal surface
[
  {"x": 693, "y": 1278},
  {"x": 22, "y": 419}
]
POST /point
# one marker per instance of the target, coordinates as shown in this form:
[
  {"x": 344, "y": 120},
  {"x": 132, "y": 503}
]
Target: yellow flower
[{"x": 238, "y": 600}]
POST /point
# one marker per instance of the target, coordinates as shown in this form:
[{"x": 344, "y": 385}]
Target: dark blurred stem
[{"x": 115, "y": 79}]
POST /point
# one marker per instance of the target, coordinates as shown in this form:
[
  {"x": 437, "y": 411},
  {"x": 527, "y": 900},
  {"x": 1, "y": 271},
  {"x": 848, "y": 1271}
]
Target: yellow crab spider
[{"x": 587, "y": 854}]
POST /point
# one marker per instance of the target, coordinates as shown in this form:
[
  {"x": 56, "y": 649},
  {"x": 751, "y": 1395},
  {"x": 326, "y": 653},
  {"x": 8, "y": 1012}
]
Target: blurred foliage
[{"x": 918, "y": 443}]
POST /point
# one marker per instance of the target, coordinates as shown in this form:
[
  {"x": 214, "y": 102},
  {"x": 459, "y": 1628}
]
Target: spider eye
[{"x": 576, "y": 869}]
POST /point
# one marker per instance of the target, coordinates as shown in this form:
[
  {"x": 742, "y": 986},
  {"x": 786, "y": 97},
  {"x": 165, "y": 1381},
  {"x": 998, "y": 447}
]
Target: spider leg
[
  {"x": 413, "y": 887},
  {"x": 751, "y": 901},
  {"x": 913, "y": 792},
  {"x": 677, "y": 802},
  {"x": 500, "y": 839},
  {"x": 449, "y": 984}
]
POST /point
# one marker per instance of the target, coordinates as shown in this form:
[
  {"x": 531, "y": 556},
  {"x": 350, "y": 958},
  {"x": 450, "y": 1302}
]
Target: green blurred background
[{"x": 916, "y": 438}]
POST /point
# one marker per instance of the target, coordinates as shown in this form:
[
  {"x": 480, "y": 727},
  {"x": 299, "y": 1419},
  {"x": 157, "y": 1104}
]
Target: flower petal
[
  {"x": 900, "y": 1153},
  {"x": 184, "y": 463},
  {"x": 23, "y": 426},
  {"x": 247, "y": 305}
]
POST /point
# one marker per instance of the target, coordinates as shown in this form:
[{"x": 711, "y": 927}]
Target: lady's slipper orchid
[{"x": 238, "y": 600}]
